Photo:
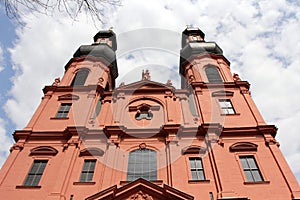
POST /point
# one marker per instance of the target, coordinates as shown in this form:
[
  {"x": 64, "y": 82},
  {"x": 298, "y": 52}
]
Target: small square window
[
  {"x": 226, "y": 106},
  {"x": 63, "y": 110}
]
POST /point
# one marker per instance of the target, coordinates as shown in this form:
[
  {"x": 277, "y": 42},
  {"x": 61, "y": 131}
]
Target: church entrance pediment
[{"x": 141, "y": 189}]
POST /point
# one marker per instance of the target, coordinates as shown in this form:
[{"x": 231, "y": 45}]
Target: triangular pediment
[
  {"x": 144, "y": 85},
  {"x": 143, "y": 190}
]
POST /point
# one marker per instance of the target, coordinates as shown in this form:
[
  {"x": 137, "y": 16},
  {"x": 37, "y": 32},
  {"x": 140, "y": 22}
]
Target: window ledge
[
  {"x": 84, "y": 183},
  {"x": 254, "y": 183},
  {"x": 28, "y": 187},
  {"x": 198, "y": 181},
  {"x": 59, "y": 118},
  {"x": 156, "y": 182},
  {"x": 231, "y": 114}
]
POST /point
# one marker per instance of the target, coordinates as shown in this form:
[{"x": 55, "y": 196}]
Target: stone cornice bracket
[
  {"x": 269, "y": 140},
  {"x": 114, "y": 134},
  {"x": 170, "y": 132},
  {"x": 220, "y": 142},
  {"x": 48, "y": 95},
  {"x": 22, "y": 135},
  {"x": 267, "y": 130},
  {"x": 107, "y": 98},
  {"x": 17, "y": 146},
  {"x": 170, "y": 94},
  {"x": 73, "y": 134},
  {"x": 213, "y": 131}
]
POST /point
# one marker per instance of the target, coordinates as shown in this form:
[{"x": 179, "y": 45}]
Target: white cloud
[
  {"x": 260, "y": 39},
  {"x": 5, "y": 142}
]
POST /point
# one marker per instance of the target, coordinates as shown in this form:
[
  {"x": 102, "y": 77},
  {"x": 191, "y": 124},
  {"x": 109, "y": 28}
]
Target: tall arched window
[
  {"x": 213, "y": 74},
  {"x": 80, "y": 77},
  {"x": 142, "y": 164}
]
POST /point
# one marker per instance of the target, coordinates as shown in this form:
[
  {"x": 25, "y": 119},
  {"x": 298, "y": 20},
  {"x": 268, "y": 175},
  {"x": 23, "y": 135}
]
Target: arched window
[
  {"x": 80, "y": 77},
  {"x": 142, "y": 164},
  {"x": 212, "y": 74}
]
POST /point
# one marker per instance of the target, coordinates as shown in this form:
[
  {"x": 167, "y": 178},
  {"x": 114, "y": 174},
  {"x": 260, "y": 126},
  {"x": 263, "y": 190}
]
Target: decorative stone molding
[
  {"x": 222, "y": 93},
  {"x": 142, "y": 146},
  {"x": 140, "y": 196},
  {"x": 43, "y": 150},
  {"x": 243, "y": 146},
  {"x": 68, "y": 97},
  {"x": 193, "y": 149},
  {"x": 93, "y": 151}
]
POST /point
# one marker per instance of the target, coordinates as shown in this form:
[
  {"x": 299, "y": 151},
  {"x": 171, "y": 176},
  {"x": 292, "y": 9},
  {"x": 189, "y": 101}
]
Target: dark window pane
[
  {"x": 244, "y": 163},
  {"x": 87, "y": 172},
  {"x": 80, "y": 77},
  {"x": 201, "y": 175},
  {"x": 98, "y": 108},
  {"x": 199, "y": 164},
  {"x": 249, "y": 177},
  {"x": 212, "y": 74},
  {"x": 251, "y": 163},
  {"x": 194, "y": 175},
  {"x": 192, "y": 164},
  {"x": 256, "y": 175},
  {"x": 63, "y": 110},
  {"x": 35, "y": 173},
  {"x": 29, "y": 180}
]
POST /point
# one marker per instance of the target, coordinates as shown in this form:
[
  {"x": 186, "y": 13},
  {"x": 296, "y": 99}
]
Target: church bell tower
[{"x": 91, "y": 140}]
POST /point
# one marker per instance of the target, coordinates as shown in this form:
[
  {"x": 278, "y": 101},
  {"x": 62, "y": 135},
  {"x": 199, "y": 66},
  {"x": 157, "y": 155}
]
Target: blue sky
[{"x": 260, "y": 39}]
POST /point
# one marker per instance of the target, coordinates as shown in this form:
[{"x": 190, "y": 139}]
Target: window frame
[
  {"x": 84, "y": 174},
  {"x": 63, "y": 113},
  {"x": 254, "y": 154},
  {"x": 152, "y": 170},
  {"x": 251, "y": 169},
  {"x": 200, "y": 169},
  {"x": 226, "y": 108},
  {"x": 37, "y": 175}
]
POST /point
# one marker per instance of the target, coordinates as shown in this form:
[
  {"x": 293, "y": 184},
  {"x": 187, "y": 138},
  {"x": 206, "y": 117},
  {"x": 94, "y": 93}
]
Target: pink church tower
[{"x": 91, "y": 140}]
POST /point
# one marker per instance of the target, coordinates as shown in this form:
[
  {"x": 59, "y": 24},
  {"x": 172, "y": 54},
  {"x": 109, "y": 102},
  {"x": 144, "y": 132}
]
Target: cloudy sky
[{"x": 260, "y": 39}]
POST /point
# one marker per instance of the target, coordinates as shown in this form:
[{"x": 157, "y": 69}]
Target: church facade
[{"x": 89, "y": 139}]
